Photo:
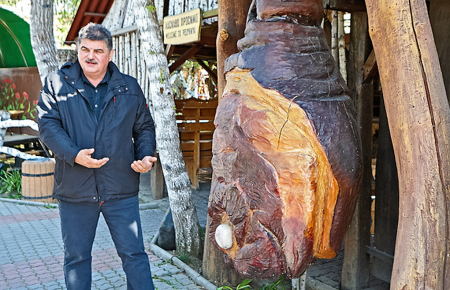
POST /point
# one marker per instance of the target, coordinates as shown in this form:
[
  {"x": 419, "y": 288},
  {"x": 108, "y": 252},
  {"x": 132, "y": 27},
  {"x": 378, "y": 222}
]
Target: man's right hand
[{"x": 84, "y": 158}]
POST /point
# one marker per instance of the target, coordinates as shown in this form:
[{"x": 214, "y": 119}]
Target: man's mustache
[{"x": 90, "y": 60}]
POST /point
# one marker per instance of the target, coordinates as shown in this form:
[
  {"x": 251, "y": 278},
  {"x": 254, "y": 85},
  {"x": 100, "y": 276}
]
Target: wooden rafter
[
  {"x": 370, "y": 68},
  {"x": 187, "y": 55}
]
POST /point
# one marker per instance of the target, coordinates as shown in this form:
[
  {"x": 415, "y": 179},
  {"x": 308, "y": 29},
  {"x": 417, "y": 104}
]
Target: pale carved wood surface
[{"x": 418, "y": 115}]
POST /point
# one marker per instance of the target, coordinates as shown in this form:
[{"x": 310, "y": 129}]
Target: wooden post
[
  {"x": 232, "y": 18},
  {"x": 355, "y": 271},
  {"x": 419, "y": 122},
  {"x": 386, "y": 201},
  {"x": 440, "y": 22}
]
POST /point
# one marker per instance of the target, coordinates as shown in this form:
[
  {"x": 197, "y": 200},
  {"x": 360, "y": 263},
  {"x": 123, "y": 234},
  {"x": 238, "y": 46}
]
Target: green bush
[{"x": 11, "y": 183}]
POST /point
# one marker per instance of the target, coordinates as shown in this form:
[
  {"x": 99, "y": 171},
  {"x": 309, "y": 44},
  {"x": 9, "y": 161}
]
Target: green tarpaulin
[{"x": 15, "y": 41}]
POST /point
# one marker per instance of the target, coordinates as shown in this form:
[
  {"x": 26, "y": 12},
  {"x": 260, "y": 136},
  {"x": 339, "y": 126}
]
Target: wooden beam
[
  {"x": 210, "y": 13},
  {"x": 370, "y": 68},
  {"x": 211, "y": 73},
  {"x": 166, "y": 8},
  {"x": 419, "y": 121},
  {"x": 187, "y": 55},
  {"x": 169, "y": 51},
  {"x": 229, "y": 33},
  {"x": 355, "y": 270},
  {"x": 94, "y": 14},
  {"x": 345, "y": 5}
]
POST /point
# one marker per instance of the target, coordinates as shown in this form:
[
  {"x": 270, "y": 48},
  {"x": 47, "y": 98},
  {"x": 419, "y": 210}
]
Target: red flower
[
  {"x": 35, "y": 102},
  {"x": 7, "y": 81},
  {"x": 25, "y": 95},
  {"x": 17, "y": 95},
  {"x": 14, "y": 86}
]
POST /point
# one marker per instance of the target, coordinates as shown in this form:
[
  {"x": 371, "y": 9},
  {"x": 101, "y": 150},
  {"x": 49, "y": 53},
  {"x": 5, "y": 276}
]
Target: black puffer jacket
[{"x": 124, "y": 132}]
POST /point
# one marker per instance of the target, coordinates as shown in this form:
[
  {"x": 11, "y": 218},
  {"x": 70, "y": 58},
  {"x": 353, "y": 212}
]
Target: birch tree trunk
[
  {"x": 419, "y": 122},
  {"x": 42, "y": 39},
  {"x": 334, "y": 36},
  {"x": 167, "y": 139},
  {"x": 342, "y": 56}
]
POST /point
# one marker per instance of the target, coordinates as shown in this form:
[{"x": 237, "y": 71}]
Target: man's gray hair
[{"x": 94, "y": 31}]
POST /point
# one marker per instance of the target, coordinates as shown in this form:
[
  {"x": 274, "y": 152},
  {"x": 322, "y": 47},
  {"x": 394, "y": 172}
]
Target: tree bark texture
[
  {"x": 167, "y": 138},
  {"x": 231, "y": 20},
  {"x": 286, "y": 150},
  {"x": 42, "y": 39},
  {"x": 418, "y": 115}
]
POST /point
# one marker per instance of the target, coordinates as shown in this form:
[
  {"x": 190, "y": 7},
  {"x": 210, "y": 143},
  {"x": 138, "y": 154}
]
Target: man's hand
[
  {"x": 84, "y": 158},
  {"x": 144, "y": 165}
]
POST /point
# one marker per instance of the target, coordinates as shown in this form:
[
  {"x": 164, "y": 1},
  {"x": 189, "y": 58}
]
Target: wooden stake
[{"x": 419, "y": 121}]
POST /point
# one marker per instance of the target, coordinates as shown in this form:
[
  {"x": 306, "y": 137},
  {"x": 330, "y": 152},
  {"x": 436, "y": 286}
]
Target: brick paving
[{"x": 31, "y": 251}]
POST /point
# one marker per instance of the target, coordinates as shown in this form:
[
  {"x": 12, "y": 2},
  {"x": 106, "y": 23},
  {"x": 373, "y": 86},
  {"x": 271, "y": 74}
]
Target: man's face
[{"x": 94, "y": 58}]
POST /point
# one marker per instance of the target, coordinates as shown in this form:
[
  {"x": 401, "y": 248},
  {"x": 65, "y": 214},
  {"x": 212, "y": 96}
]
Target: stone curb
[
  {"x": 142, "y": 206},
  {"x": 161, "y": 253},
  {"x": 26, "y": 202}
]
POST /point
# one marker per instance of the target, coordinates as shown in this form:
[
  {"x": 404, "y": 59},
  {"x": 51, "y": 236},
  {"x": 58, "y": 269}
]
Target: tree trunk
[
  {"x": 167, "y": 139},
  {"x": 341, "y": 37},
  {"x": 418, "y": 114},
  {"x": 334, "y": 36},
  {"x": 42, "y": 39}
]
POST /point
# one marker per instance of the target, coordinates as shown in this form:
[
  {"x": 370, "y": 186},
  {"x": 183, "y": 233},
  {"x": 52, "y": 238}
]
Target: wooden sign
[{"x": 183, "y": 28}]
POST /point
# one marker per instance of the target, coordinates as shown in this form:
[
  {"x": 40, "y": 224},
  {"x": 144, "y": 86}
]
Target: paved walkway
[{"x": 31, "y": 251}]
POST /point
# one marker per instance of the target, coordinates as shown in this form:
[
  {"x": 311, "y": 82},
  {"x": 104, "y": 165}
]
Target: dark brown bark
[{"x": 418, "y": 114}]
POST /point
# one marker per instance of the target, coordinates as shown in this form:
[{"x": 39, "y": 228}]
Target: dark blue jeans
[{"x": 78, "y": 227}]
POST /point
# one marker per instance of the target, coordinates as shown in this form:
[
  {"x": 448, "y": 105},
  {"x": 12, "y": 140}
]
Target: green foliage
[
  {"x": 11, "y": 183},
  {"x": 9, "y": 2},
  {"x": 14, "y": 101},
  {"x": 151, "y": 8},
  {"x": 243, "y": 285},
  {"x": 185, "y": 258},
  {"x": 246, "y": 285},
  {"x": 65, "y": 11}
]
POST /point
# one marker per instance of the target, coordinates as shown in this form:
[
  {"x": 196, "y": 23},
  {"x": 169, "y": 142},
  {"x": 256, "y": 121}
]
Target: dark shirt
[{"x": 96, "y": 95}]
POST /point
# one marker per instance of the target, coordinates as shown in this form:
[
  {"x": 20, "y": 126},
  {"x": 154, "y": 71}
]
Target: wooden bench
[{"x": 195, "y": 119}]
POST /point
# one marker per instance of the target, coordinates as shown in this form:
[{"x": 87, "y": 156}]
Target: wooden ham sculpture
[{"x": 286, "y": 151}]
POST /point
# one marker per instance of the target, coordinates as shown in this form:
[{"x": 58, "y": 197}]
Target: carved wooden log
[{"x": 286, "y": 151}]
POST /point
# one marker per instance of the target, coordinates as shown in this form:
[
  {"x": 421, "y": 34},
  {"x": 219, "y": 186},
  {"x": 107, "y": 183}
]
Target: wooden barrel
[{"x": 37, "y": 180}]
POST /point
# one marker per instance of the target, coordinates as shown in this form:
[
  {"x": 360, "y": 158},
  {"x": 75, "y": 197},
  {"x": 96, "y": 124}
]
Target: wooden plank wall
[
  {"x": 195, "y": 119},
  {"x": 180, "y": 6},
  {"x": 129, "y": 56}
]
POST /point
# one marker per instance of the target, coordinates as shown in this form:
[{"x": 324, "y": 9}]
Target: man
[{"x": 97, "y": 123}]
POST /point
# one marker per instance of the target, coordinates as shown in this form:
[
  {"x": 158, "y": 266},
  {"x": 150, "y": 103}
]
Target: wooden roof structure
[
  {"x": 88, "y": 11},
  {"x": 95, "y": 11}
]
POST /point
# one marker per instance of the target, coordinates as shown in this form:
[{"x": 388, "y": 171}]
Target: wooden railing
[{"x": 195, "y": 119}]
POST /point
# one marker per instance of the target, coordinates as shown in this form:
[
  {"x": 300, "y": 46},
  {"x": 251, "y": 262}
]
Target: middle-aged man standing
[{"x": 97, "y": 123}]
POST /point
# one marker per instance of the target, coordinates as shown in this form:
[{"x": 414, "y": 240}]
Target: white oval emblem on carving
[{"x": 224, "y": 236}]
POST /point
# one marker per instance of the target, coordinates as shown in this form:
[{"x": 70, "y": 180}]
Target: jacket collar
[{"x": 72, "y": 75}]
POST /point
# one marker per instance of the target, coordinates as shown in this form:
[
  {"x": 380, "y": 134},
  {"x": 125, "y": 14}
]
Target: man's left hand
[{"x": 144, "y": 165}]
